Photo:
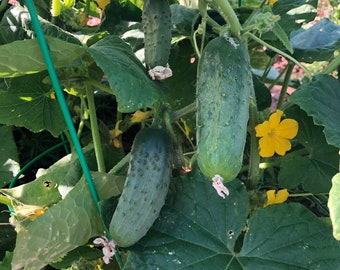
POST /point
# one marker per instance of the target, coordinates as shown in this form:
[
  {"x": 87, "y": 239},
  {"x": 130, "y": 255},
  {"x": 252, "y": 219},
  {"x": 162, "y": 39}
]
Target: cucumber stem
[
  {"x": 252, "y": 36},
  {"x": 95, "y": 131},
  {"x": 183, "y": 111},
  {"x": 285, "y": 85},
  {"x": 227, "y": 12},
  {"x": 332, "y": 65},
  {"x": 254, "y": 159},
  {"x": 5, "y": 200}
]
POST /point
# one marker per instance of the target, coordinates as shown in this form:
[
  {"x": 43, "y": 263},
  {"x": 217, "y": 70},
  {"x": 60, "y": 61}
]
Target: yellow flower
[
  {"x": 275, "y": 134},
  {"x": 275, "y": 198},
  {"x": 140, "y": 116},
  {"x": 114, "y": 133},
  {"x": 272, "y": 2}
]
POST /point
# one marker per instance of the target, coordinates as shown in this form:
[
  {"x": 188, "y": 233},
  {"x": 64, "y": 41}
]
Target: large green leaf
[
  {"x": 126, "y": 75},
  {"x": 9, "y": 159},
  {"x": 63, "y": 227},
  {"x": 290, "y": 237},
  {"x": 316, "y": 168},
  {"x": 294, "y": 13},
  {"x": 27, "y": 103},
  {"x": 317, "y": 43},
  {"x": 24, "y": 56},
  {"x": 334, "y": 205},
  {"x": 320, "y": 99},
  {"x": 199, "y": 230}
]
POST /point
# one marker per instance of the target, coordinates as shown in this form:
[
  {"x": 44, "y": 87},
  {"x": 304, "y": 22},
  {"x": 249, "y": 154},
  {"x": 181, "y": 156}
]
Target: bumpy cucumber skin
[
  {"x": 224, "y": 84},
  {"x": 145, "y": 188},
  {"x": 156, "y": 20}
]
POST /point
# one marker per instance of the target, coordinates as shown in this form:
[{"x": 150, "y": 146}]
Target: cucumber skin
[
  {"x": 224, "y": 84},
  {"x": 146, "y": 187},
  {"x": 156, "y": 20}
]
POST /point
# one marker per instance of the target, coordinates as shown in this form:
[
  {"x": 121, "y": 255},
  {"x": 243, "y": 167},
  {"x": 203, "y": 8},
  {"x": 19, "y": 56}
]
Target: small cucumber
[
  {"x": 145, "y": 188},
  {"x": 156, "y": 20},
  {"x": 224, "y": 85}
]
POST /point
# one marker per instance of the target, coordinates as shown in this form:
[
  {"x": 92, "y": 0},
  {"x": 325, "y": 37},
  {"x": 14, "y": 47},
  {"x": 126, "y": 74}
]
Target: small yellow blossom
[
  {"x": 114, "y": 133},
  {"x": 272, "y": 2},
  {"x": 186, "y": 128},
  {"x": 274, "y": 197},
  {"x": 140, "y": 116},
  {"x": 275, "y": 134}
]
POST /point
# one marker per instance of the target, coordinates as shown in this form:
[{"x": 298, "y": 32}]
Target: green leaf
[
  {"x": 39, "y": 192},
  {"x": 320, "y": 100},
  {"x": 62, "y": 228},
  {"x": 6, "y": 263},
  {"x": 295, "y": 13},
  {"x": 27, "y": 103},
  {"x": 9, "y": 159},
  {"x": 196, "y": 229},
  {"x": 182, "y": 19},
  {"x": 315, "y": 169},
  {"x": 24, "y": 56},
  {"x": 199, "y": 230},
  {"x": 288, "y": 236},
  {"x": 334, "y": 205},
  {"x": 126, "y": 75},
  {"x": 317, "y": 43}
]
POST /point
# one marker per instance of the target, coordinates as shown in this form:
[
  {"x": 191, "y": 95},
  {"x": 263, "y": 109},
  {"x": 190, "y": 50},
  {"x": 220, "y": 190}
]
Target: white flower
[{"x": 108, "y": 248}]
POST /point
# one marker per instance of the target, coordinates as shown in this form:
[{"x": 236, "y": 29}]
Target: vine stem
[
  {"x": 95, "y": 130},
  {"x": 227, "y": 12},
  {"x": 183, "y": 111},
  {"x": 285, "y": 85},
  {"x": 252, "y": 36},
  {"x": 254, "y": 159},
  {"x": 5, "y": 200},
  {"x": 332, "y": 65}
]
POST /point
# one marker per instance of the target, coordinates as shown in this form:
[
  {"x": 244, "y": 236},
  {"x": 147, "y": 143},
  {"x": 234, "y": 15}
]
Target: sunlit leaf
[
  {"x": 62, "y": 228},
  {"x": 9, "y": 160},
  {"x": 334, "y": 205},
  {"x": 27, "y": 103},
  {"x": 24, "y": 56}
]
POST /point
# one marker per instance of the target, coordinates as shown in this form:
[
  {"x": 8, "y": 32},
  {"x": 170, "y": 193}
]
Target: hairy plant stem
[
  {"x": 227, "y": 12},
  {"x": 95, "y": 130},
  {"x": 120, "y": 164},
  {"x": 183, "y": 111},
  {"x": 332, "y": 65},
  {"x": 284, "y": 87},
  {"x": 252, "y": 36},
  {"x": 5, "y": 200},
  {"x": 254, "y": 158}
]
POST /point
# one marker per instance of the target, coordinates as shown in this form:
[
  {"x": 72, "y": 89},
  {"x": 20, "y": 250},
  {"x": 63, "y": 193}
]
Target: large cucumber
[
  {"x": 224, "y": 84},
  {"x": 156, "y": 20},
  {"x": 145, "y": 188}
]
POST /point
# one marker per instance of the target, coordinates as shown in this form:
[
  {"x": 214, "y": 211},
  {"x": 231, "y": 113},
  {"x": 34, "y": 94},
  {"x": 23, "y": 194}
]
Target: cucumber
[
  {"x": 145, "y": 188},
  {"x": 224, "y": 84},
  {"x": 156, "y": 19}
]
